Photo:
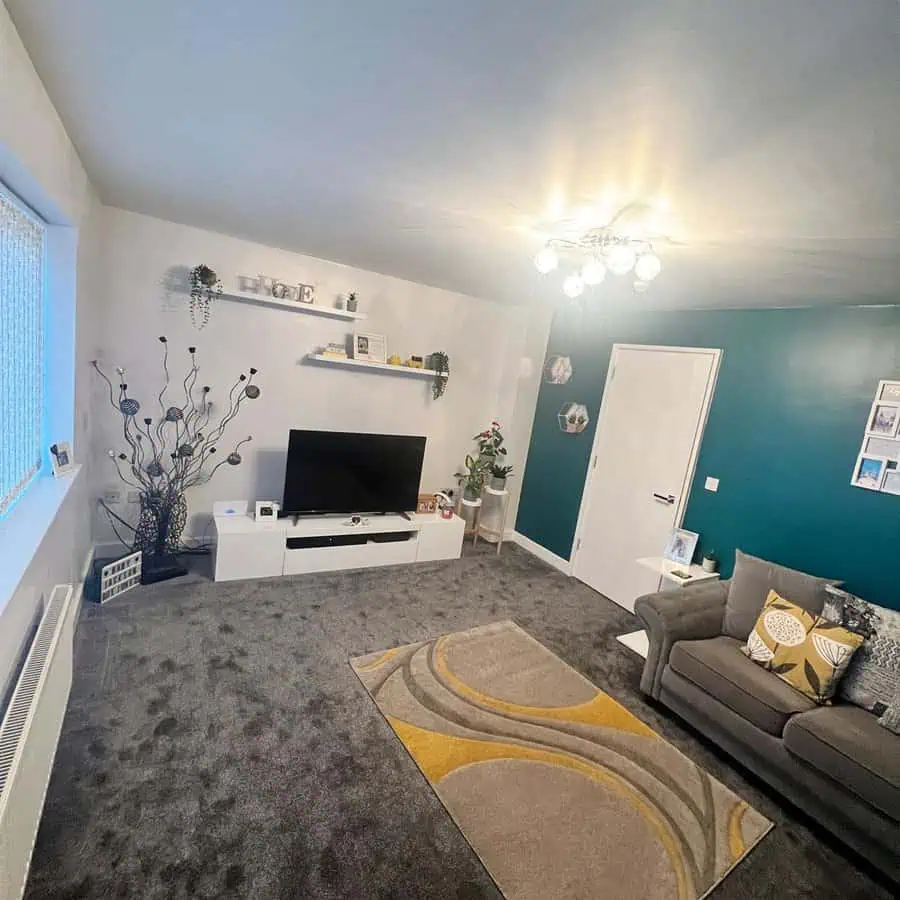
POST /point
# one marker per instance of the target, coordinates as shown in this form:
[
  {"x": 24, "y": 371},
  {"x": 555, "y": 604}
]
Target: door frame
[{"x": 716, "y": 355}]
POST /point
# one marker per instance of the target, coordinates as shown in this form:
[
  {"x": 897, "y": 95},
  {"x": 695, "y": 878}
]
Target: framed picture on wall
[
  {"x": 869, "y": 472},
  {"x": 681, "y": 546},
  {"x": 370, "y": 347},
  {"x": 889, "y": 391},
  {"x": 891, "y": 483},
  {"x": 884, "y": 419}
]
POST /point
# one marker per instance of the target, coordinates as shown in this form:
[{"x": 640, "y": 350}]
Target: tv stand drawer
[{"x": 298, "y": 561}]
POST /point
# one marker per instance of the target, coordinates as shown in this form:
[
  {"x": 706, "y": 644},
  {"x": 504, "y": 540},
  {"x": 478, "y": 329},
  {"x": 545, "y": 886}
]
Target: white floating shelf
[
  {"x": 308, "y": 308},
  {"x": 376, "y": 366}
]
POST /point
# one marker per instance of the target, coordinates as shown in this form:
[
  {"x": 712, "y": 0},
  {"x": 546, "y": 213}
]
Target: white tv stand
[{"x": 247, "y": 549}]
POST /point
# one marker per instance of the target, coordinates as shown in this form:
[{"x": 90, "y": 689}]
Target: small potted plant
[
  {"x": 710, "y": 561},
  {"x": 499, "y": 474},
  {"x": 352, "y": 302},
  {"x": 205, "y": 287},
  {"x": 471, "y": 479}
]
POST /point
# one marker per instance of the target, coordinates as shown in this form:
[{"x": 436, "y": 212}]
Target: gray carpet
[{"x": 218, "y": 744}]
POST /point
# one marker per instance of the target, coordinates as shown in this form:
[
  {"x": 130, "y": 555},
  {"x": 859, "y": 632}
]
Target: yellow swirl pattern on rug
[
  {"x": 437, "y": 755},
  {"x": 502, "y": 755}
]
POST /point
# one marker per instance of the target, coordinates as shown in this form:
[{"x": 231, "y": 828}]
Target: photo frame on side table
[
  {"x": 370, "y": 347},
  {"x": 681, "y": 546}
]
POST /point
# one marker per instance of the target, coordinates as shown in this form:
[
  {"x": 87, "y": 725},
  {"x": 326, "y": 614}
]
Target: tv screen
[{"x": 338, "y": 472}]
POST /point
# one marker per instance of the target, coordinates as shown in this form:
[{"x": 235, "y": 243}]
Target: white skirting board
[
  {"x": 542, "y": 553},
  {"x": 636, "y": 641}
]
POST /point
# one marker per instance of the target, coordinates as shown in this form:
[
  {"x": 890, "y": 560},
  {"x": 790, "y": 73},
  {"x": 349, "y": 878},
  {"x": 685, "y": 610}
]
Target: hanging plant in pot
[
  {"x": 440, "y": 362},
  {"x": 205, "y": 287},
  {"x": 169, "y": 454}
]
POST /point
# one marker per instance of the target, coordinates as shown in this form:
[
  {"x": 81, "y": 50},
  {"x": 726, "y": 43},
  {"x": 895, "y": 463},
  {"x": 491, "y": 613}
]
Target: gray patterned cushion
[{"x": 873, "y": 679}]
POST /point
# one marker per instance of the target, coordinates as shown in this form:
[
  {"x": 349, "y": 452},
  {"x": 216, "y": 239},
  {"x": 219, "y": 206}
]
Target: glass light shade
[
  {"x": 593, "y": 272},
  {"x": 573, "y": 286},
  {"x": 647, "y": 267},
  {"x": 620, "y": 260},
  {"x": 546, "y": 261}
]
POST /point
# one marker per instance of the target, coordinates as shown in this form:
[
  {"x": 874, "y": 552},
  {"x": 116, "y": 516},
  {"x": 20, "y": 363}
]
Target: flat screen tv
[{"x": 340, "y": 472}]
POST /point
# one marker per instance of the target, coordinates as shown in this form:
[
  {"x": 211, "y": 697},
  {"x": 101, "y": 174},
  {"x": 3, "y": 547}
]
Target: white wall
[
  {"x": 39, "y": 162},
  {"x": 484, "y": 340}
]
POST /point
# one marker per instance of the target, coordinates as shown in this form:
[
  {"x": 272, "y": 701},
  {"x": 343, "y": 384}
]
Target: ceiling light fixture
[
  {"x": 623, "y": 245},
  {"x": 573, "y": 286}
]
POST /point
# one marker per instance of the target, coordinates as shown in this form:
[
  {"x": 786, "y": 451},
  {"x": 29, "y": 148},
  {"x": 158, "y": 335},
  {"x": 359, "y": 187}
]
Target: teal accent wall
[{"x": 785, "y": 426}]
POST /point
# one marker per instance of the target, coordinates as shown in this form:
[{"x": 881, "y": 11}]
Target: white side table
[
  {"x": 670, "y": 582},
  {"x": 480, "y": 529},
  {"x": 637, "y": 640}
]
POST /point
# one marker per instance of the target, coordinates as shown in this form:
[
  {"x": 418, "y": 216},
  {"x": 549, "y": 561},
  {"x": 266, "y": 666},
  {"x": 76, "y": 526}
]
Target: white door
[{"x": 648, "y": 433}]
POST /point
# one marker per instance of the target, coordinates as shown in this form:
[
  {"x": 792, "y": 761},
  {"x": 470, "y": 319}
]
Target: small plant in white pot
[
  {"x": 471, "y": 478},
  {"x": 710, "y": 561},
  {"x": 499, "y": 474}
]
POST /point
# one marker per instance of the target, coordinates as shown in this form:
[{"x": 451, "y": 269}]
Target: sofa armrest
[{"x": 692, "y": 613}]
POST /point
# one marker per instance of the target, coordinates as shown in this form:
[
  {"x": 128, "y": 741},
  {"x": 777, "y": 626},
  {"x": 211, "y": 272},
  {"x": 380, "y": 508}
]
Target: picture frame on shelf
[
  {"x": 884, "y": 419},
  {"x": 869, "y": 472},
  {"x": 681, "y": 546},
  {"x": 426, "y": 503},
  {"x": 61, "y": 458},
  {"x": 889, "y": 392},
  {"x": 369, "y": 347}
]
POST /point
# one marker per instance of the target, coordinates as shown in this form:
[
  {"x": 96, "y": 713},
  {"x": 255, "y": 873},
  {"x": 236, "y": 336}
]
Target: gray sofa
[{"x": 834, "y": 762}]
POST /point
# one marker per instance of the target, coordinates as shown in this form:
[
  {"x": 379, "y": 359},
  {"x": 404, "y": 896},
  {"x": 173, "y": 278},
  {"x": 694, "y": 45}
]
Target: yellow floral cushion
[{"x": 808, "y": 652}]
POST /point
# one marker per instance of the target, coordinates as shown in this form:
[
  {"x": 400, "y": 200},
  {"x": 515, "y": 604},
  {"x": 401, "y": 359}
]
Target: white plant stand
[{"x": 481, "y": 529}]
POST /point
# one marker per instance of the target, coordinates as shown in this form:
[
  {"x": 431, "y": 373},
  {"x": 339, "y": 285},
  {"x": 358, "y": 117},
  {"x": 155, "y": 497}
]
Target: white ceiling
[{"x": 427, "y": 138}]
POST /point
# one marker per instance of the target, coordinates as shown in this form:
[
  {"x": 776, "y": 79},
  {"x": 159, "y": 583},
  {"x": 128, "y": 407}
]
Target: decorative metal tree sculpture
[{"x": 170, "y": 456}]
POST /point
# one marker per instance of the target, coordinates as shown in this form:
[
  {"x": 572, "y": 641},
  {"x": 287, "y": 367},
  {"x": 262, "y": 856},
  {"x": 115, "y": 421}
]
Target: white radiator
[{"x": 29, "y": 735}]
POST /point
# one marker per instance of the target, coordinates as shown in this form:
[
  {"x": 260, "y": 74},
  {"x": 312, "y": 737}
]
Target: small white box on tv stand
[{"x": 247, "y": 549}]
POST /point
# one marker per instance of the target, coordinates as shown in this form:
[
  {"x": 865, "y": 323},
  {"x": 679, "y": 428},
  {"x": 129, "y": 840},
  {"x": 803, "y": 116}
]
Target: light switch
[{"x": 712, "y": 484}]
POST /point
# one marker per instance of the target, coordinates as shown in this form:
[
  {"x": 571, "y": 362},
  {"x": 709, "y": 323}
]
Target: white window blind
[{"x": 22, "y": 237}]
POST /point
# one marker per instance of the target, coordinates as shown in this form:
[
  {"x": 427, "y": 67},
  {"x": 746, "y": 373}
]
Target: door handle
[{"x": 664, "y": 498}]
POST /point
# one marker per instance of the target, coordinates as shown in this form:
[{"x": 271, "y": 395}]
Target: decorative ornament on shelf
[
  {"x": 205, "y": 287},
  {"x": 623, "y": 243},
  {"x": 558, "y": 370},
  {"x": 440, "y": 363},
  {"x": 352, "y": 302},
  {"x": 573, "y": 418},
  {"x": 170, "y": 455}
]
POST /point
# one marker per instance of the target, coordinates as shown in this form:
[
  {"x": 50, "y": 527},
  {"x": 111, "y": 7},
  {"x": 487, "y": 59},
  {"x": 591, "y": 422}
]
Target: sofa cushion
[
  {"x": 807, "y": 652},
  {"x": 718, "y": 666},
  {"x": 750, "y": 585},
  {"x": 847, "y": 744}
]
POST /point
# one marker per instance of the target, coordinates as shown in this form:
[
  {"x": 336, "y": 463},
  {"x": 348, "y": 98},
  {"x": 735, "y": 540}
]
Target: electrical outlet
[
  {"x": 112, "y": 496},
  {"x": 712, "y": 484},
  {"x": 134, "y": 497}
]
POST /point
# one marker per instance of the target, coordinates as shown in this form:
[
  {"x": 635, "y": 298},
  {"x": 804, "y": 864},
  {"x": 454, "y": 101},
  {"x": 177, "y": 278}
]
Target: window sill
[{"x": 22, "y": 531}]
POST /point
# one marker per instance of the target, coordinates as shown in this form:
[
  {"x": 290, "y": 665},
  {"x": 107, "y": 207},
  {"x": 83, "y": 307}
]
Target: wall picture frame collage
[{"x": 878, "y": 464}]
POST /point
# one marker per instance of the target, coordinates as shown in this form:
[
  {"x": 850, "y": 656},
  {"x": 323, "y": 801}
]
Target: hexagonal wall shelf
[
  {"x": 558, "y": 370},
  {"x": 573, "y": 418}
]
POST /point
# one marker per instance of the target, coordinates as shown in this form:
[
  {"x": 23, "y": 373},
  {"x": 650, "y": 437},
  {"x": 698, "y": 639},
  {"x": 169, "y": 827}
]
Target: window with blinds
[{"x": 22, "y": 239}]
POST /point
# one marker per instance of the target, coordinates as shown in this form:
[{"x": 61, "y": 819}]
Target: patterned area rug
[{"x": 561, "y": 791}]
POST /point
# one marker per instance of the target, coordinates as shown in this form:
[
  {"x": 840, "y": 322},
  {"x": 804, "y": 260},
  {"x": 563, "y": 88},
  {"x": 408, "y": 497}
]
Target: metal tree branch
[{"x": 163, "y": 473}]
